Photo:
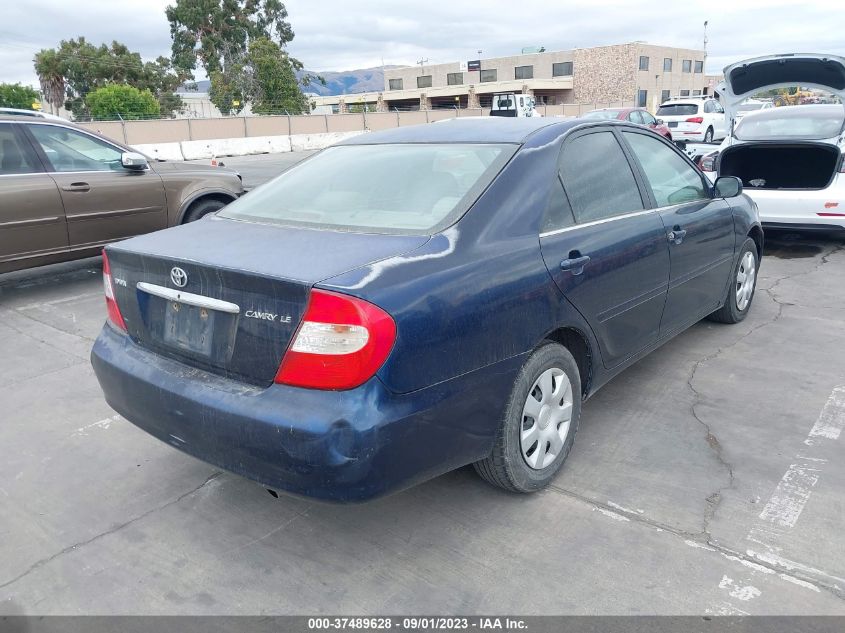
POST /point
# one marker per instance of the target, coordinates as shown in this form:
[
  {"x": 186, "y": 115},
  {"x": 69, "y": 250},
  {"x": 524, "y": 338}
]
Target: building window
[
  {"x": 699, "y": 67},
  {"x": 643, "y": 62},
  {"x": 687, "y": 67},
  {"x": 488, "y": 75},
  {"x": 665, "y": 95},
  {"x": 424, "y": 81},
  {"x": 562, "y": 69},
  {"x": 684, "y": 93},
  {"x": 667, "y": 64},
  {"x": 454, "y": 79},
  {"x": 395, "y": 84},
  {"x": 523, "y": 72},
  {"x": 696, "y": 93},
  {"x": 642, "y": 98}
]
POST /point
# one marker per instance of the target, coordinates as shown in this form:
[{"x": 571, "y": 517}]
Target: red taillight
[
  {"x": 340, "y": 344},
  {"x": 708, "y": 162},
  {"x": 111, "y": 305},
  {"x": 695, "y": 119}
]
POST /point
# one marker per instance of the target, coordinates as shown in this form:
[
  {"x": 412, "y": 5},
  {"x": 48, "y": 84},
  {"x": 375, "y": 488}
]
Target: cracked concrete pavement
[{"x": 707, "y": 479}]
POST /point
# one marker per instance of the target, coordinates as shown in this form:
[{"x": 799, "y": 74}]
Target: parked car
[
  {"x": 790, "y": 159},
  {"x": 31, "y": 113},
  {"x": 751, "y": 105},
  {"x": 414, "y": 300},
  {"x": 65, "y": 192},
  {"x": 639, "y": 116},
  {"x": 694, "y": 119}
]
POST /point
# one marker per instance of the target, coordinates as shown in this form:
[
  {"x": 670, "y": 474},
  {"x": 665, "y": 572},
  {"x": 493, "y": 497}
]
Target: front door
[
  {"x": 32, "y": 220},
  {"x": 607, "y": 253},
  {"x": 698, "y": 228},
  {"x": 103, "y": 201}
]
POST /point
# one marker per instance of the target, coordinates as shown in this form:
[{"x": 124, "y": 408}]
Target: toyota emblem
[{"x": 179, "y": 277}]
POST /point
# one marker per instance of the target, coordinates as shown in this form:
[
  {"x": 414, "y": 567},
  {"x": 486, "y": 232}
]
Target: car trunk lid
[
  {"x": 226, "y": 296},
  {"x": 751, "y": 76}
]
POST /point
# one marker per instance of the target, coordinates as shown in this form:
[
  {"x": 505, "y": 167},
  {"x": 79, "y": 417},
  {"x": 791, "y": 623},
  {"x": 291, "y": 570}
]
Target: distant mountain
[
  {"x": 348, "y": 81},
  {"x": 337, "y": 83}
]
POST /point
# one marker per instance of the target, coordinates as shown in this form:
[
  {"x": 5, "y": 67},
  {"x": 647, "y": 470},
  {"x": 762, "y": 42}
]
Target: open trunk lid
[
  {"x": 746, "y": 78},
  {"x": 791, "y": 165},
  {"x": 227, "y": 296}
]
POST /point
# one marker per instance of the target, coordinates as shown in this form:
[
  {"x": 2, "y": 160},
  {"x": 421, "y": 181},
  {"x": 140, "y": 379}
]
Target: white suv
[{"x": 696, "y": 119}]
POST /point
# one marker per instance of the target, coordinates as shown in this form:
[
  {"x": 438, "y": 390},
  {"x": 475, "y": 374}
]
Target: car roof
[{"x": 488, "y": 129}]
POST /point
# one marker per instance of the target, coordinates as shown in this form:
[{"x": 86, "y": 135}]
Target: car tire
[
  {"x": 550, "y": 378},
  {"x": 708, "y": 135},
  {"x": 741, "y": 289},
  {"x": 202, "y": 208}
]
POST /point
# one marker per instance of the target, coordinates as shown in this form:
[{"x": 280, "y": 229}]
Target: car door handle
[
  {"x": 575, "y": 265},
  {"x": 676, "y": 235},
  {"x": 77, "y": 186}
]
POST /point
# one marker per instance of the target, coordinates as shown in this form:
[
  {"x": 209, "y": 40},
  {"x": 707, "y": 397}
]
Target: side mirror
[
  {"x": 727, "y": 187},
  {"x": 659, "y": 121},
  {"x": 133, "y": 161}
]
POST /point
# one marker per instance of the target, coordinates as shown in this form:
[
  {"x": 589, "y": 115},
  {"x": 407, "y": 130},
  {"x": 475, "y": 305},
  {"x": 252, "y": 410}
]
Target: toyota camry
[{"x": 415, "y": 300}]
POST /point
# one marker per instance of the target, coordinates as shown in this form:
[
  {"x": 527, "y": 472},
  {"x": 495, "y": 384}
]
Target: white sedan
[{"x": 790, "y": 159}]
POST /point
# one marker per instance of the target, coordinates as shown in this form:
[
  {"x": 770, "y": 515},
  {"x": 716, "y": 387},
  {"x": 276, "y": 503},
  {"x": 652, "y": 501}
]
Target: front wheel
[
  {"x": 742, "y": 286},
  {"x": 708, "y": 135},
  {"x": 539, "y": 424}
]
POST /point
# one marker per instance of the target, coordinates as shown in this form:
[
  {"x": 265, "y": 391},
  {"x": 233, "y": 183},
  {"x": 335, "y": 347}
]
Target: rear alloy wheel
[
  {"x": 539, "y": 425},
  {"x": 742, "y": 286},
  {"x": 708, "y": 135}
]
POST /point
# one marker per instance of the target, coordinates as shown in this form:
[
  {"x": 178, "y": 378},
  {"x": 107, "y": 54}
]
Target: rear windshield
[
  {"x": 677, "y": 109},
  {"x": 601, "y": 114},
  {"x": 788, "y": 122},
  {"x": 409, "y": 188}
]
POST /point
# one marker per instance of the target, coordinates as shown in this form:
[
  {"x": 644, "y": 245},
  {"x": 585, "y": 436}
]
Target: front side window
[
  {"x": 562, "y": 69},
  {"x": 487, "y": 75},
  {"x": 687, "y": 65},
  {"x": 70, "y": 150},
  {"x": 643, "y": 62},
  {"x": 395, "y": 84},
  {"x": 15, "y": 156},
  {"x": 647, "y": 118},
  {"x": 598, "y": 179},
  {"x": 391, "y": 188},
  {"x": 523, "y": 72},
  {"x": 454, "y": 79},
  {"x": 667, "y": 64},
  {"x": 672, "y": 179},
  {"x": 636, "y": 117},
  {"x": 424, "y": 81}
]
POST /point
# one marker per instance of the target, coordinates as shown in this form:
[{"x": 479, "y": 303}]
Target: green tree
[
  {"x": 121, "y": 101},
  {"x": 272, "y": 84},
  {"x": 77, "y": 67},
  {"x": 17, "y": 96},
  {"x": 218, "y": 35}
]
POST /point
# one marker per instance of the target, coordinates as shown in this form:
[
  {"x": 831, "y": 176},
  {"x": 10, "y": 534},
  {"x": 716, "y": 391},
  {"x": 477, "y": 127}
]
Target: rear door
[
  {"x": 606, "y": 251},
  {"x": 103, "y": 201},
  {"x": 698, "y": 229},
  {"x": 32, "y": 220}
]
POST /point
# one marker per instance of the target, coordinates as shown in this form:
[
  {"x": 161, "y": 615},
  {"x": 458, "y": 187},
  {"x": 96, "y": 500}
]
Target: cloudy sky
[{"x": 344, "y": 34}]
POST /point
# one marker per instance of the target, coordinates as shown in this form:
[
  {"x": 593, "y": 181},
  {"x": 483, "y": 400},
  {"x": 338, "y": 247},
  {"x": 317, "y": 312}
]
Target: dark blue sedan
[{"x": 415, "y": 300}]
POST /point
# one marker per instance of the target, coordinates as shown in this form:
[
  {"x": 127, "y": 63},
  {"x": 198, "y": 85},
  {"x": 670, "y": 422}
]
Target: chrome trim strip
[{"x": 200, "y": 301}]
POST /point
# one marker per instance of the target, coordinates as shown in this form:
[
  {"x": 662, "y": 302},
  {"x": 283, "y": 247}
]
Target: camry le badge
[{"x": 179, "y": 277}]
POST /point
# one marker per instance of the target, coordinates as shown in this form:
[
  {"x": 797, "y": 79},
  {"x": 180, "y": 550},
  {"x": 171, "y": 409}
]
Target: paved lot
[{"x": 709, "y": 478}]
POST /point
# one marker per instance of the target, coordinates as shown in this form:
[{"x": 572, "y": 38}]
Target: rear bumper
[
  {"x": 821, "y": 208},
  {"x": 339, "y": 446}
]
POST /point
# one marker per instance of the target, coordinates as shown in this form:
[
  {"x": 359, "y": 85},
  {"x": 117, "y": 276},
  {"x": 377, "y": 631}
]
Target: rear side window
[
  {"x": 673, "y": 180},
  {"x": 15, "y": 157},
  {"x": 391, "y": 188},
  {"x": 677, "y": 109},
  {"x": 597, "y": 177}
]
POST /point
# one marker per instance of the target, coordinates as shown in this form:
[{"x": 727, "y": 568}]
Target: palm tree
[{"x": 48, "y": 67}]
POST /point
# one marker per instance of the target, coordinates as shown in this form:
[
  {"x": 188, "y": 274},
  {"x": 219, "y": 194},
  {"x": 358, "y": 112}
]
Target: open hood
[{"x": 746, "y": 78}]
